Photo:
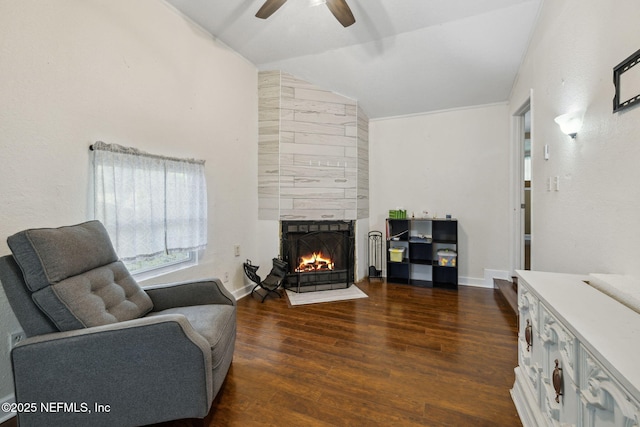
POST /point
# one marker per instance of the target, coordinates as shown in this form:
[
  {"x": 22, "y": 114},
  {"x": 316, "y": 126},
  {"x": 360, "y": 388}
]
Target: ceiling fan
[{"x": 339, "y": 8}]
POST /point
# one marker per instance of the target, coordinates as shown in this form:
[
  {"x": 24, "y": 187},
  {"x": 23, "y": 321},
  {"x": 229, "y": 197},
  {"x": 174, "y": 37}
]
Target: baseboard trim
[
  {"x": 489, "y": 275},
  {"x": 243, "y": 291},
  {"x": 473, "y": 282},
  {"x": 6, "y": 416}
]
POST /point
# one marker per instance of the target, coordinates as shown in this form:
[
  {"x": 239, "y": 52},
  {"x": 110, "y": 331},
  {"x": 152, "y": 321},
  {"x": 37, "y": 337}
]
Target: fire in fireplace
[
  {"x": 320, "y": 254},
  {"x": 315, "y": 262}
]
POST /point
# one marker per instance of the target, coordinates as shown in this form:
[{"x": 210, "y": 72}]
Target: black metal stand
[
  {"x": 273, "y": 281},
  {"x": 375, "y": 255}
]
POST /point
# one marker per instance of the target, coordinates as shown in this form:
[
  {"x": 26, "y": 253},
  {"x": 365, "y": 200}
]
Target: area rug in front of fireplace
[{"x": 302, "y": 298}]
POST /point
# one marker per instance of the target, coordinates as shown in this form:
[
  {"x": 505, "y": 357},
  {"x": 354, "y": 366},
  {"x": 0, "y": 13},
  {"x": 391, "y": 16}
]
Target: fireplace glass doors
[{"x": 319, "y": 254}]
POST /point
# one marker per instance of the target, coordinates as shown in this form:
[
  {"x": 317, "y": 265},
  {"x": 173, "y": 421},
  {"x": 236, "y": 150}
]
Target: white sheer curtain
[{"x": 150, "y": 205}]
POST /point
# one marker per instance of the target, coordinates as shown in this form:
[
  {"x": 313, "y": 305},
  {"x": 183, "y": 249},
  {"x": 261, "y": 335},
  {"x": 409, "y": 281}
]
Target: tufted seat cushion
[{"x": 75, "y": 276}]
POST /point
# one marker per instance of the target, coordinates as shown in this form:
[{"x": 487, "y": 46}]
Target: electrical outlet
[
  {"x": 15, "y": 338},
  {"x": 226, "y": 277},
  {"x": 236, "y": 250}
]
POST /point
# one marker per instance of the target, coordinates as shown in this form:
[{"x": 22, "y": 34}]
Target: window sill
[
  {"x": 191, "y": 273},
  {"x": 147, "y": 276}
]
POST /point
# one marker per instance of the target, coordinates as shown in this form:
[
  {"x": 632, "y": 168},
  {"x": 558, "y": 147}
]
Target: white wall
[
  {"x": 591, "y": 224},
  {"x": 451, "y": 162},
  {"x": 135, "y": 73}
]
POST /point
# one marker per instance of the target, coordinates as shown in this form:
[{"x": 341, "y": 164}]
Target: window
[
  {"x": 154, "y": 208},
  {"x": 161, "y": 264}
]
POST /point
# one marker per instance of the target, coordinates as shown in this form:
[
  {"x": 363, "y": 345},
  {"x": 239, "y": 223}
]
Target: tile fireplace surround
[{"x": 313, "y": 152}]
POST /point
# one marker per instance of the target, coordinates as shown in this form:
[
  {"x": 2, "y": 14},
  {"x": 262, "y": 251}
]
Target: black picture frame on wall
[{"x": 626, "y": 79}]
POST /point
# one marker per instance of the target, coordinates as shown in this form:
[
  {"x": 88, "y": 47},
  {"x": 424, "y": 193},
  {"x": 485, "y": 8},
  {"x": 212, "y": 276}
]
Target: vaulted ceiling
[{"x": 400, "y": 57}]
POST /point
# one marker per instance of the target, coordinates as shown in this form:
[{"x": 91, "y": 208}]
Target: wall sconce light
[{"x": 570, "y": 123}]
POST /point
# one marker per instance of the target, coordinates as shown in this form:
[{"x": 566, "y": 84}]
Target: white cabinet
[{"x": 577, "y": 351}]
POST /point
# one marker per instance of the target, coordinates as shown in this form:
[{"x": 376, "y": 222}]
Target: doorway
[
  {"x": 522, "y": 186},
  {"x": 526, "y": 188}
]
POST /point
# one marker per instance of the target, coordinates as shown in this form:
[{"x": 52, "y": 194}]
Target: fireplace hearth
[{"x": 320, "y": 254}]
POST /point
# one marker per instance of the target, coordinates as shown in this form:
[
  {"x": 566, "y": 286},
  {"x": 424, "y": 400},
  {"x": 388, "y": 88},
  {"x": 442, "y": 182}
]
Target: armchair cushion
[
  {"x": 75, "y": 276},
  {"x": 216, "y": 323}
]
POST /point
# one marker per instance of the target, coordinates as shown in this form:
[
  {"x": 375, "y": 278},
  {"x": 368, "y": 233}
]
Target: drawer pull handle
[
  {"x": 557, "y": 381},
  {"x": 528, "y": 335}
]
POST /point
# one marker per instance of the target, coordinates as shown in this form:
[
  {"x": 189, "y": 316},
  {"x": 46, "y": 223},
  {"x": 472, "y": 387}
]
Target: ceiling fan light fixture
[{"x": 313, "y": 3}]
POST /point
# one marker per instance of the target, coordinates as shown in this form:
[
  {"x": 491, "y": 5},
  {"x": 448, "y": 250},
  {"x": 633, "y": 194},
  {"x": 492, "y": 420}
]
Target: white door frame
[{"x": 517, "y": 182}]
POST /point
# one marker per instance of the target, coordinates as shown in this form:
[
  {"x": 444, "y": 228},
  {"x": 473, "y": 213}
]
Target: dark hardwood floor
[{"x": 405, "y": 356}]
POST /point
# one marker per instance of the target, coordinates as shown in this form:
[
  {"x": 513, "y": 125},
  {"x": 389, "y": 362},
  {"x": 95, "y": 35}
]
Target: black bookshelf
[{"x": 417, "y": 245}]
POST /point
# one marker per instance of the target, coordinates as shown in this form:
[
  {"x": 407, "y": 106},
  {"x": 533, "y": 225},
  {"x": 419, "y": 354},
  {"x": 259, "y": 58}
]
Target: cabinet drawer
[
  {"x": 559, "y": 344},
  {"x": 559, "y": 363},
  {"x": 529, "y": 349},
  {"x": 528, "y": 324},
  {"x": 604, "y": 401}
]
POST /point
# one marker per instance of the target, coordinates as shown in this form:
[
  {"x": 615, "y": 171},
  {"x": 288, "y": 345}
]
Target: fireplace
[{"x": 320, "y": 254}]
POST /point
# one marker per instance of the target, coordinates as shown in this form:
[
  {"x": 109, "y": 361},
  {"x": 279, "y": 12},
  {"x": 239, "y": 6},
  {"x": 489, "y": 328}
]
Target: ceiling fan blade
[
  {"x": 341, "y": 11},
  {"x": 269, "y": 7}
]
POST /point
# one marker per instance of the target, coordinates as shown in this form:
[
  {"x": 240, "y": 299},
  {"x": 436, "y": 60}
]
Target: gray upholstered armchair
[{"x": 102, "y": 351}]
